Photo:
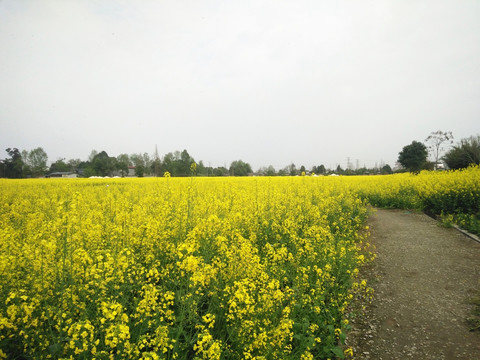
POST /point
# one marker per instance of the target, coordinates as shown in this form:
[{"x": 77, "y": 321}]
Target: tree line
[
  {"x": 466, "y": 152},
  {"x": 413, "y": 157},
  {"x": 24, "y": 164}
]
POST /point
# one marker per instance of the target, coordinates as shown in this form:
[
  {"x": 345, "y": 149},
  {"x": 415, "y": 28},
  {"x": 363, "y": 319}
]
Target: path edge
[{"x": 459, "y": 229}]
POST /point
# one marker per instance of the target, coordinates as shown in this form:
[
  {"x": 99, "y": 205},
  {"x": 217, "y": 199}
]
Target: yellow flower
[{"x": 225, "y": 254}]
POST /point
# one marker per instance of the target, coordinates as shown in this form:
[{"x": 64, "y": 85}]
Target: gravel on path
[{"x": 423, "y": 278}]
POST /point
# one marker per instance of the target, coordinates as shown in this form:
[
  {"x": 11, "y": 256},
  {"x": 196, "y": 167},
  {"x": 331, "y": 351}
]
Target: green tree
[
  {"x": 386, "y": 169},
  {"x": 266, "y": 171},
  {"x": 169, "y": 164},
  {"x": 465, "y": 153},
  {"x": 178, "y": 164},
  {"x": 291, "y": 169},
  {"x": 436, "y": 141},
  {"x": 202, "y": 169},
  {"x": 87, "y": 168},
  {"x": 13, "y": 167},
  {"x": 123, "y": 162},
  {"x": 26, "y": 171},
  {"x": 147, "y": 163},
  {"x": 184, "y": 163},
  {"x": 220, "y": 171},
  {"x": 139, "y": 162},
  {"x": 413, "y": 157},
  {"x": 156, "y": 167},
  {"x": 270, "y": 171},
  {"x": 59, "y": 166},
  {"x": 240, "y": 168},
  {"x": 283, "y": 172},
  {"x": 364, "y": 170},
  {"x": 84, "y": 169},
  {"x": 103, "y": 165},
  {"x": 140, "y": 170},
  {"x": 37, "y": 161}
]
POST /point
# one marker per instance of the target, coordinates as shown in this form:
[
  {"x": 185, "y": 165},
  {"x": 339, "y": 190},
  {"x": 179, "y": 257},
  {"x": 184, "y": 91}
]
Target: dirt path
[{"x": 423, "y": 278}]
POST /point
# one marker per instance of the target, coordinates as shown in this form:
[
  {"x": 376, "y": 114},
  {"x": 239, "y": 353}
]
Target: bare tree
[{"x": 435, "y": 141}]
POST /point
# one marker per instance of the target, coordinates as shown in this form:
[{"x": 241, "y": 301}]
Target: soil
[{"x": 424, "y": 278}]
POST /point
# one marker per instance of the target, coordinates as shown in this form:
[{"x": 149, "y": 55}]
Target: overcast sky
[{"x": 268, "y": 82}]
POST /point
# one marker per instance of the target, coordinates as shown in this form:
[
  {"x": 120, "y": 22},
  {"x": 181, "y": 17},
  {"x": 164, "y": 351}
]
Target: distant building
[
  {"x": 131, "y": 171},
  {"x": 62, "y": 174}
]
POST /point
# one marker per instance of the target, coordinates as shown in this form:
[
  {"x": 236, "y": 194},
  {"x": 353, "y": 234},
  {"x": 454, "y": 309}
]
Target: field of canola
[
  {"x": 195, "y": 268},
  {"x": 453, "y": 196}
]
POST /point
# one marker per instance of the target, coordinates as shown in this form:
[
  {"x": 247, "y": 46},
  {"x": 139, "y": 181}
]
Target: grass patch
[{"x": 474, "y": 320}]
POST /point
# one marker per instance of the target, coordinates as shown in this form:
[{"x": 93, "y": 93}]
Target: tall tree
[
  {"x": 240, "y": 168},
  {"x": 270, "y": 171},
  {"x": 147, "y": 163},
  {"x": 292, "y": 169},
  {"x": 202, "y": 169},
  {"x": 386, "y": 169},
  {"x": 185, "y": 161},
  {"x": 13, "y": 167},
  {"x": 37, "y": 161},
  {"x": 139, "y": 163},
  {"x": 27, "y": 171},
  {"x": 169, "y": 164},
  {"x": 123, "y": 162},
  {"x": 436, "y": 141},
  {"x": 103, "y": 165},
  {"x": 413, "y": 157},
  {"x": 319, "y": 169},
  {"x": 92, "y": 155}
]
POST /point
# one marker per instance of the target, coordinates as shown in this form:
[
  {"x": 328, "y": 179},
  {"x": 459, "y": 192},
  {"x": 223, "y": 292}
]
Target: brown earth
[{"x": 424, "y": 278}]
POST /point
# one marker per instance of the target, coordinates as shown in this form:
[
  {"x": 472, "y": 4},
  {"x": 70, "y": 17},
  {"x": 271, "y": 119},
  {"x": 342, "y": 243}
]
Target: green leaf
[{"x": 338, "y": 352}]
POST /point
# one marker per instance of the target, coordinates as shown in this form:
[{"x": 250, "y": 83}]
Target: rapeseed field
[
  {"x": 453, "y": 196},
  {"x": 195, "y": 268}
]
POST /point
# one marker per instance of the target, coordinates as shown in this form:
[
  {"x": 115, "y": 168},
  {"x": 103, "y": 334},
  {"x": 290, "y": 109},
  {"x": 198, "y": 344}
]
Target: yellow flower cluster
[
  {"x": 410, "y": 191},
  {"x": 452, "y": 195},
  {"x": 184, "y": 268}
]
